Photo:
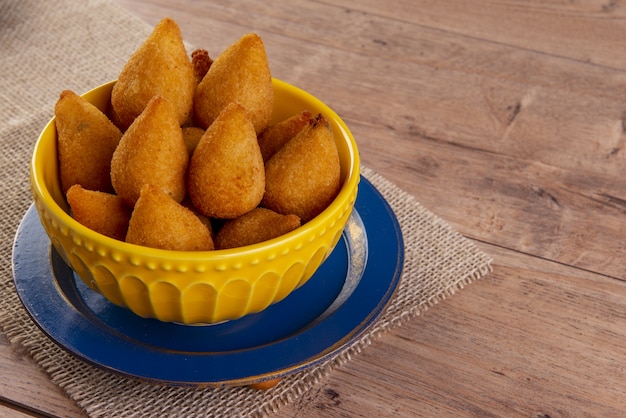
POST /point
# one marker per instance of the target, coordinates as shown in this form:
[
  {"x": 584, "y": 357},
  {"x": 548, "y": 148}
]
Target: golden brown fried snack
[
  {"x": 102, "y": 212},
  {"x": 86, "y": 141},
  {"x": 160, "y": 66},
  {"x": 205, "y": 219},
  {"x": 226, "y": 174},
  {"x": 274, "y": 137},
  {"x": 192, "y": 135},
  {"x": 152, "y": 150},
  {"x": 201, "y": 62},
  {"x": 160, "y": 222},
  {"x": 239, "y": 74},
  {"x": 258, "y": 225},
  {"x": 303, "y": 177}
]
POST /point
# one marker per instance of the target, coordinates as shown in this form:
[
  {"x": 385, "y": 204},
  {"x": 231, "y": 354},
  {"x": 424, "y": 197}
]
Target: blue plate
[{"x": 320, "y": 319}]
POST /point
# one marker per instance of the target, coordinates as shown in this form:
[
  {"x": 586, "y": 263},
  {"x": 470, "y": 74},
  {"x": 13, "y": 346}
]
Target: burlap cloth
[{"x": 48, "y": 46}]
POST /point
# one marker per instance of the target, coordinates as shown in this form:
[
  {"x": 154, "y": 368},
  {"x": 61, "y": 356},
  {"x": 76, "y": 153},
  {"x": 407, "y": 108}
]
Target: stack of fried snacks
[{"x": 186, "y": 159}]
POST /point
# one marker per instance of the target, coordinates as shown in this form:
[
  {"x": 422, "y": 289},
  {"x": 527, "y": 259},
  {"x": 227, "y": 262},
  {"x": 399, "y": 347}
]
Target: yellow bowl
[{"x": 195, "y": 286}]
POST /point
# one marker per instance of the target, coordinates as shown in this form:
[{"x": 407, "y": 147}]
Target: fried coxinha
[{"x": 185, "y": 158}]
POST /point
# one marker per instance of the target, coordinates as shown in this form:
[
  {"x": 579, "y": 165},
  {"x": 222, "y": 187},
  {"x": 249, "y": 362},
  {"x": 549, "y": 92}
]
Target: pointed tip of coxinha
[
  {"x": 160, "y": 66},
  {"x": 241, "y": 74},
  {"x": 151, "y": 150},
  {"x": 226, "y": 176}
]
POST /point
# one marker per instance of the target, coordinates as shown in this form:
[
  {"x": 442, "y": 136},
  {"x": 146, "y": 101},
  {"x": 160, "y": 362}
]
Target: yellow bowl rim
[{"x": 349, "y": 185}]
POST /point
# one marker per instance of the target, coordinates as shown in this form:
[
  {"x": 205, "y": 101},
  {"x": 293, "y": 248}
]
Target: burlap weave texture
[{"x": 49, "y": 46}]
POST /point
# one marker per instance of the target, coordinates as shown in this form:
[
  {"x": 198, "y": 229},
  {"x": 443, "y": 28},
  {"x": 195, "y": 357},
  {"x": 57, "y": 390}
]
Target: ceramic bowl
[{"x": 195, "y": 287}]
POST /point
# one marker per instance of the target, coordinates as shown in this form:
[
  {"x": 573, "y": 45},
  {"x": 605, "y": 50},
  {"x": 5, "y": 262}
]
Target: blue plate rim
[{"x": 312, "y": 345}]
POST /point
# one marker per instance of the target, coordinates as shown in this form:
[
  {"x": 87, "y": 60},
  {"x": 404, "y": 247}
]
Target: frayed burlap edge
[
  {"x": 430, "y": 274},
  {"x": 438, "y": 262}
]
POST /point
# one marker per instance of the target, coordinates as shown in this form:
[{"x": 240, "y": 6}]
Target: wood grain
[
  {"x": 504, "y": 132},
  {"x": 29, "y": 390},
  {"x": 507, "y": 119},
  {"x": 484, "y": 352}
]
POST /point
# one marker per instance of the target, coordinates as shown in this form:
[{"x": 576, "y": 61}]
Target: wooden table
[{"x": 508, "y": 120}]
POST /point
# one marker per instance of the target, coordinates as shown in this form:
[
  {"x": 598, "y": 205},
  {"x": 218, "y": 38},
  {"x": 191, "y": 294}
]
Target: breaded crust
[
  {"x": 226, "y": 175},
  {"x": 239, "y": 74},
  {"x": 102, "y": 212},
  {"x": 86, "y": 142},
  {"x": 256, "y": 226},
  {"x": 201, "y": 62},
  {"x": 160, "y": 66},
  {"x": 160, "y": 222},
  {"x": 303, "y": 177},
  {"x": 275, "y": 136},
  {"x": 153, "y": 151},
  {"x": 191, "y": 136}
]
